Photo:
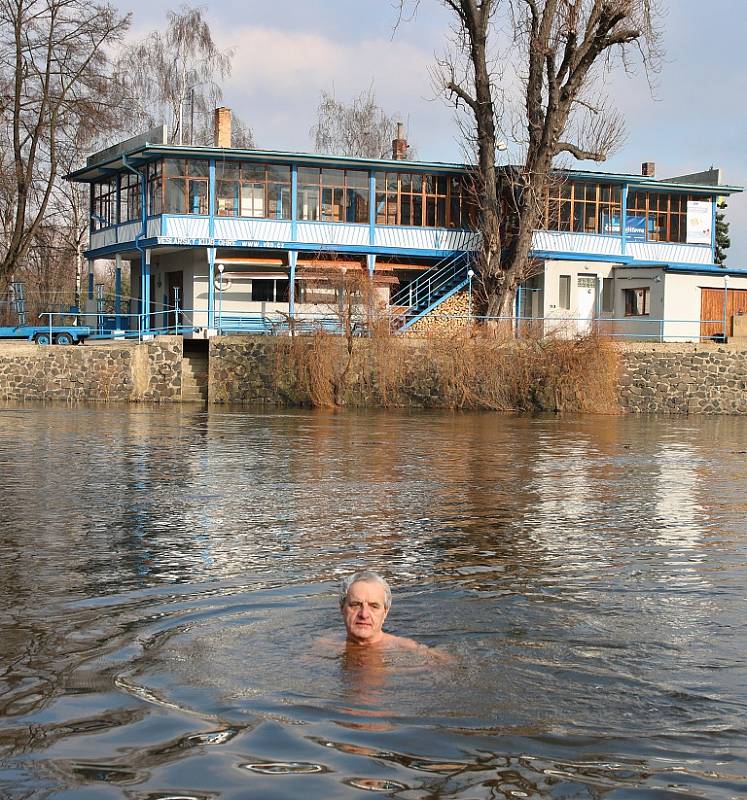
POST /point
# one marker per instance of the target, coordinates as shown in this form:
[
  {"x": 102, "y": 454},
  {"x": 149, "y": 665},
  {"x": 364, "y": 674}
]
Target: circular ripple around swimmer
[
  {"x": 376, "y": 785},
  {"x": 285, "y": 768}
]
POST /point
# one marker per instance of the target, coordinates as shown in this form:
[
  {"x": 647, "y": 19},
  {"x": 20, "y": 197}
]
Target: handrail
[
  {"x": 278, "y": 323},
  {"x": 444, "y": 267}
]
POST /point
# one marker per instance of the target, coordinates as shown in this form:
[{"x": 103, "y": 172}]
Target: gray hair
[{"x": 365, "y": 575}]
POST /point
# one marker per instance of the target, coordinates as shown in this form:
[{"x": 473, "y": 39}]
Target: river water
[{"x": 166, "y": 576}]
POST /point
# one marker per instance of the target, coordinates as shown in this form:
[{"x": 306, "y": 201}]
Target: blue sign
[{"x": 635, "y": 229}]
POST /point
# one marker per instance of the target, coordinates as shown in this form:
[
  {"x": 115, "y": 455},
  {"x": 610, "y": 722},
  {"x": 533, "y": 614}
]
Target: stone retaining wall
[
  {"x": 239, "y": 370},
  {"x": 125, "y": 371},
  {"x": 654, "y": 378},
  {"x": 683, "y": 379}
]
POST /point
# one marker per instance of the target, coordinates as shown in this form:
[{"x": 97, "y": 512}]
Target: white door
[{"x": 586, "y": 301}]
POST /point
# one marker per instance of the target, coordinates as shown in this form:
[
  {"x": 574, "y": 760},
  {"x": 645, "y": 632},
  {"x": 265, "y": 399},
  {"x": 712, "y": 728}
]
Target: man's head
[{"x": 365, "y": 599}]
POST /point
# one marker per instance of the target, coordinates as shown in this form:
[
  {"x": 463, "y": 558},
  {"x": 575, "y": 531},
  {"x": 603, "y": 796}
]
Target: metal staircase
[{"x": 418, "y": 298}]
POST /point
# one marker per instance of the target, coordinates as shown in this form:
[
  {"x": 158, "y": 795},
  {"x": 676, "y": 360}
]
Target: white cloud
[{"x": 278, "y": 76}]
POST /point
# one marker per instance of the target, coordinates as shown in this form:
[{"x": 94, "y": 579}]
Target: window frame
[
  {"x": 407, "y": 198},
  {"x": 580, "y": 207},
  {"x": 664, "y": 213},
  {"x": 567, "y": 305},
  {"x": 630, "y": 293},
  {"x": 130, "y": 197},
  {"x": 104, "y": 203}
]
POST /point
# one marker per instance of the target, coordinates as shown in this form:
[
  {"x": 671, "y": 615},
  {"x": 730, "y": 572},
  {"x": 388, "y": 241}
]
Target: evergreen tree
[{"x": 723, "y": 241}]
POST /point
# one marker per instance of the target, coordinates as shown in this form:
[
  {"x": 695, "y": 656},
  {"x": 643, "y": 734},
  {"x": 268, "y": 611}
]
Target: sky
[{"x": 287, "y": 51}]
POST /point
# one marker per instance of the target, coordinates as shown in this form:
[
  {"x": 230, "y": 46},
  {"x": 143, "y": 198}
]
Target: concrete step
[{"x": 195, "y": 378}]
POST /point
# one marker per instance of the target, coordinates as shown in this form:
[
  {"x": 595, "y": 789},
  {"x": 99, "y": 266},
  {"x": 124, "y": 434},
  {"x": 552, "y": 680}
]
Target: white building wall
[
  {"x": 682, "y": 308},
  {"x": 569, "y": 322}
]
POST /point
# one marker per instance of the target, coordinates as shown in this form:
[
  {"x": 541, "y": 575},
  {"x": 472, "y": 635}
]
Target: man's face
[{"x": 364, "y": 612}]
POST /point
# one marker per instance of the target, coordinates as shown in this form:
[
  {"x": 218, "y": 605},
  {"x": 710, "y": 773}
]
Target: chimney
[
  {"x": 223, "y": 127},
  {"x": 399, "y": 145},
  {"x": 648, "y": 169}
]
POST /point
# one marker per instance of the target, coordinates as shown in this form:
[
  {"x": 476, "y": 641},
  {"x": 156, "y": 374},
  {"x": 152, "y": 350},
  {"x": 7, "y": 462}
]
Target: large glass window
[
  {"x": 187, "y": 186},
  {"x": 104, "y": 204},
  {"x": 332, "y": 195},
  {"x": 129, "y": 197},
  {"x": 657, "y": 216},
  {"x": 582, "y": 207},
  {"x": 309, "y": 189},
  {"x": 434, "y": 201},
  {"x": 270, "y": 290},
  {"x": 155, "y": 188},
  {"x": 244, "y": 189}
]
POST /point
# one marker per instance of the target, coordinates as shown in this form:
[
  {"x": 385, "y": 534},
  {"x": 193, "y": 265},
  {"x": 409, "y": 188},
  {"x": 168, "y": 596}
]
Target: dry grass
[{"x": 458, "y": 371}]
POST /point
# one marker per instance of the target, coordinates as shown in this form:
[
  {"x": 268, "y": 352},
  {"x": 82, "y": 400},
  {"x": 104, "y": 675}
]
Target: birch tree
[
  {"x": 176, "y": 77},
  {"x": 560, "y": 50},
  {"x": 361, "y": 128}
]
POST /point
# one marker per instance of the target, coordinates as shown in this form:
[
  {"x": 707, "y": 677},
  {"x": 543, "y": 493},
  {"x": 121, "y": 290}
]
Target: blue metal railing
[
  {"x": 142, "y": 326},
  {"x": 632, "y": 328},
  {"x": 431, "y": 285}
]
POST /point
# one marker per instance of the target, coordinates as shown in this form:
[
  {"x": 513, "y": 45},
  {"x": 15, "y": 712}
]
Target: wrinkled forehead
[{"x": 366, "y": 590}]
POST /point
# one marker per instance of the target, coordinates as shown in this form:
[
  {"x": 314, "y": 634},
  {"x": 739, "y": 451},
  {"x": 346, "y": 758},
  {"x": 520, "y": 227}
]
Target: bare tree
[
  {"x": 361, "y": 129},
  {"x": 563, "y": 46},
  {"x": 55, "y": 83},
  {"x": 176, "y": 77}
]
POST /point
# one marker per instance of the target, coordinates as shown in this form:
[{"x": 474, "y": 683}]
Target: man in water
[{"x": 365, "y": 600}]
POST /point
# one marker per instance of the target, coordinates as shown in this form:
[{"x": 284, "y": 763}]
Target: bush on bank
[{"x": 454, "y": 371}]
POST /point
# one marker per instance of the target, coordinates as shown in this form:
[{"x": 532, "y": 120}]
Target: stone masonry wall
[
  {"x": 239, "y": 370},
  {"x": 115, "y": 371},
  {"x": 654, "y": 378},
  {"x": 683, "y": 379}
]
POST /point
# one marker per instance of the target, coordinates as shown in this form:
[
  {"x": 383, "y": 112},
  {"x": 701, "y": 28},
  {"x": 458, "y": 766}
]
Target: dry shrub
[
  {"x": 309, "y": 370},
  {"x": 458, "y": 371},
  {"x": 579, "y": 374},
  {"x": 384, "y": 369}
]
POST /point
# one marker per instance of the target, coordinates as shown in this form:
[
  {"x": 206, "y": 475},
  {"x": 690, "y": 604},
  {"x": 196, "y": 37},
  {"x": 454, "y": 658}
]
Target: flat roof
[
  {"x": 703, "y": 269},
  {"x": 145, "y": 152}
]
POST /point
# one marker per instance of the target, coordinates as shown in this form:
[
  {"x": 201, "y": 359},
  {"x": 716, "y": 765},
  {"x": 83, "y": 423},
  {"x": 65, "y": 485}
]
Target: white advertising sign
[{"x": 699, "y": 221}]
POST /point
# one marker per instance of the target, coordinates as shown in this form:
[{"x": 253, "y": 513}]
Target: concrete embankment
[{"x": 651, "y": 378}]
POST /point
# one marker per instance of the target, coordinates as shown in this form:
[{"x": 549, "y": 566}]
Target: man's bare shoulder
[
  {"x": 337, "y": 643},
  {"x": 403, "y": 643}
]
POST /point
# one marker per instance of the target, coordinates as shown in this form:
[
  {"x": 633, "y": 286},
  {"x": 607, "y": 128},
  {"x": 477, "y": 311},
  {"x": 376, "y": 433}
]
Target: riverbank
[{"x": 589, "y": 375}]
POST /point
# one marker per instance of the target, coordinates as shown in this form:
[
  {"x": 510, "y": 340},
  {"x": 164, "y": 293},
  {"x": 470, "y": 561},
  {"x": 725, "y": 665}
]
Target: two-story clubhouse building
[{"x": 234, "y": 234}]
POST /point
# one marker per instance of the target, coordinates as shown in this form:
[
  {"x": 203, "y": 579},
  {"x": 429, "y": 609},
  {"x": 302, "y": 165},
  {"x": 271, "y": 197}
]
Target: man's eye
[{"x": 375, "y": 606}]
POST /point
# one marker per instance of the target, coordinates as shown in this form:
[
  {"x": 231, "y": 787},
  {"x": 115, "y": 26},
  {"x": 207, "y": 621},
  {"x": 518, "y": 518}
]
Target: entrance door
[
  {"x": 175, "y": 281},
  {"x": 586, "y": 301}
]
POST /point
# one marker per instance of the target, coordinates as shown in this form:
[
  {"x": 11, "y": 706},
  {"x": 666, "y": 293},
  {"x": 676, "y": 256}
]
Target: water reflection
[{"x": 165, "y": 574}]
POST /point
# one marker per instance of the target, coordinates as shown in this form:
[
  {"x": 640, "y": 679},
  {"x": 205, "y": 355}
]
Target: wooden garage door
[{"x": 712, "y": 308}]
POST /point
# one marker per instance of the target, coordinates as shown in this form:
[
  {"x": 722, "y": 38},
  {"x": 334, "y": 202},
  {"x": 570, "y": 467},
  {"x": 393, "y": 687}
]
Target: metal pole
[
  {"x": 220, "y": 299},
  {"x": 470, "y": 275},
  {"x": 726, "y": 301}
]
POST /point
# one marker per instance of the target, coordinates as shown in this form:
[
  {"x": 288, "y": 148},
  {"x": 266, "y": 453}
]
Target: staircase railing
[{"x": 427, "y": 287}]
